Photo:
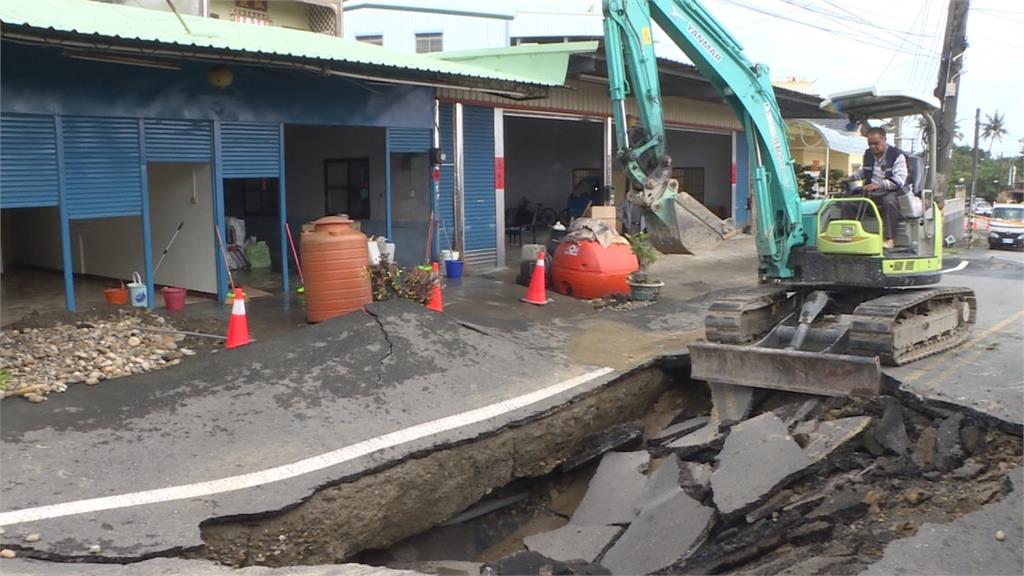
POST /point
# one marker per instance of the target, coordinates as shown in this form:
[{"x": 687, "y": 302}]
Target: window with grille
[
  {"x": 347, "y": 187},
  {"x": 372, "y": 39},
  {"x": 691, "y": 181},
  {"x": 429, "y": 43}
]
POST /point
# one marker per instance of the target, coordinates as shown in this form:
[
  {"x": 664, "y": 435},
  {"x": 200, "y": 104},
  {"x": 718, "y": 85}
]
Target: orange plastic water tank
[
  {"x": 334, "y": 255},
  {"x": 586, "y": 270}
]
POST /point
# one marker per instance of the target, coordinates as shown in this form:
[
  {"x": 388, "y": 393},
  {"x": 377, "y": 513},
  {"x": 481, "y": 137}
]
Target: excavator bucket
[
  {"x": 824, "y": 374},
  {"x": 679, "y": 224}
]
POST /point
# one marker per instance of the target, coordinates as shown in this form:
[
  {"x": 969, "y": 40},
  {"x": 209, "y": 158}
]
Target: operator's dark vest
[{"x": 888, "y": 160}]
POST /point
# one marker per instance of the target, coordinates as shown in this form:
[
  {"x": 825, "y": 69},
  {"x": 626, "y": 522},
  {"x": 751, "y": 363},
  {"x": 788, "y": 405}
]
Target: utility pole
[
  {"x": 974, "y": 178},
  {"x": 947, "y": 90}
]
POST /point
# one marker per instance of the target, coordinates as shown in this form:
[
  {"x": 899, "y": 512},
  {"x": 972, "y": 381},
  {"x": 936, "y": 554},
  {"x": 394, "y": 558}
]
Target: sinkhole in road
[{"x": 641, "y": 476}]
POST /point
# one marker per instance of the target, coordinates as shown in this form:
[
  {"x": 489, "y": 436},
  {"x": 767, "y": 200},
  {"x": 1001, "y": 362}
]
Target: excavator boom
[{"x": 679, "y": 223}]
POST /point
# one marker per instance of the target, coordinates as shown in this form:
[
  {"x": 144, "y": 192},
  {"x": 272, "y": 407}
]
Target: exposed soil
[
  {"x": 382, "y": 507},
  {"x": 886, "y": 497}
]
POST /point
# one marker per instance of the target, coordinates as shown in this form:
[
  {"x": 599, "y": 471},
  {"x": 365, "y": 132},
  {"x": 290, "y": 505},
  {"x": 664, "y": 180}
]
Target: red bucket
[
  {"x": 174, "y": 298},
  {"x": 116, "y": 296}
]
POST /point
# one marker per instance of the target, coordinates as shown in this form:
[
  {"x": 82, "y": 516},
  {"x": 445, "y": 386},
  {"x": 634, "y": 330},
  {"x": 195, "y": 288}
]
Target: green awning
[{"x": 544, "y": 63}]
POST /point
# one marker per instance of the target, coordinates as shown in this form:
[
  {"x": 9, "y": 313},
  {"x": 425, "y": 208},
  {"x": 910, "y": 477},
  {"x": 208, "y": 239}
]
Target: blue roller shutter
[
  {"x": 405, "y": 140},
  {"x": 28, "y": 161},
  {"x": 178, "y": 141},
  {"x": 250, "y": 150},
  {"x": 479, "y": 211},
  {"x": 102, "y": 167},
  {"x": 446, "y": 205}
]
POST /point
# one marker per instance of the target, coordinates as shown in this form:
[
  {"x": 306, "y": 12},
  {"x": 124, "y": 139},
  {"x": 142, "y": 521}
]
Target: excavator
[{"x": 832, "y": 304}]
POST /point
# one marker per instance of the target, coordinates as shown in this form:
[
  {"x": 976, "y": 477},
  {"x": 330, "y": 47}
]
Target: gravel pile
[{"x": 35, "y": 362}]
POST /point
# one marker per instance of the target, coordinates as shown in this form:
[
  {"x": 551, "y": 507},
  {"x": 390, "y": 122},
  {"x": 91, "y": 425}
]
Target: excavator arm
[{"x": 679, "y": 223}]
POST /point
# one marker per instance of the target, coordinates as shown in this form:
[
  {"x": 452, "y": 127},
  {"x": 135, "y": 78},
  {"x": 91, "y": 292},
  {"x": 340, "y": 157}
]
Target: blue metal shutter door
[
  {"x": 28, "y": 161},
  {"x": 408, "y": 140},
  {"x": 178, "y": 141},
  {"x": 480, "y": 218},
  {"x": 250, "y": 150},
  {"x": 102, "y": 167}
]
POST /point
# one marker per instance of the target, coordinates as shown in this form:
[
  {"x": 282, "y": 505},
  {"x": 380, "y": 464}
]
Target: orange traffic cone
[
  {"x": 536, "y": 293},
  {"x": 238, "y": 327},
  {"x": 436, "y": 302}
]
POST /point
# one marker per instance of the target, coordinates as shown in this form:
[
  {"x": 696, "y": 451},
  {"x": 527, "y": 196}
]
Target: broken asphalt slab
[
  {"x": 664, "y": 533},
  {"x": 573, "y": 542},
  {"x": 135, "y": 465},
  {"x": 614, "y": 490},
  {"x": 760, "y": 444},
  {"x": 967, "y": 545}
]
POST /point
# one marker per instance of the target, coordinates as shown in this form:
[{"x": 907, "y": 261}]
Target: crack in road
[{"x": 391, "y": 346}]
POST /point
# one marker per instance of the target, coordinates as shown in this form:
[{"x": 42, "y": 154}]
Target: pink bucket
[{"x": 174, "y": 298}]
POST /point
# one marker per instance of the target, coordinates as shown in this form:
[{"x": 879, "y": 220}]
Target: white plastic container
[{"x": 137, "y": 291}]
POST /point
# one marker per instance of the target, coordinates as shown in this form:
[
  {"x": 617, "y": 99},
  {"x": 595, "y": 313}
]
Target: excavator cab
[{"x": 851, "y": 224}]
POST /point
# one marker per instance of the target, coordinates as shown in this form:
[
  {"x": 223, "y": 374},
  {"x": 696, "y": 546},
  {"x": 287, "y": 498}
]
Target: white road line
[{"x": 305, "y": 466}]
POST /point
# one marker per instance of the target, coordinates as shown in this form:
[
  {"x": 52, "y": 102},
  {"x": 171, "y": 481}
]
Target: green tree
[
  {"x": 994, "y": 128},
  {"x": 922, "y": 129}
]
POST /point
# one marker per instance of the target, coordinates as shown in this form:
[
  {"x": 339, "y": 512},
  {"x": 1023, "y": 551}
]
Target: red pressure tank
[
  {"x": 334, "y": 255},
  {"x": 584, "y": 269}
]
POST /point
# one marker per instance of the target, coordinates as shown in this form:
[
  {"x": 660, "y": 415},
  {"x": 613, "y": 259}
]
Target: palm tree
[{"x": 994, "y": 128}]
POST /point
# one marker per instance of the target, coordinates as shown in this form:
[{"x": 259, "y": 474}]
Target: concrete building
[
  {"x": 119, "y": 125},
  {"x": 547, "y": 149}
]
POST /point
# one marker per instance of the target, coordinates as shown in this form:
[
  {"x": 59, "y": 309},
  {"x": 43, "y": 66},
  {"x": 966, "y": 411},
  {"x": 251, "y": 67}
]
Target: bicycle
[{"x": 547, "y": 216}]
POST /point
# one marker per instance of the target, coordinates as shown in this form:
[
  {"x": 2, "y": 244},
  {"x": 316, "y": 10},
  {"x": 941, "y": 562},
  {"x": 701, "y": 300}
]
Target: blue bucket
[{"x": 453, "y": 268}]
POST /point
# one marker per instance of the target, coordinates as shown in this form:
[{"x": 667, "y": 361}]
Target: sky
[{"x": 893, "y": 44}]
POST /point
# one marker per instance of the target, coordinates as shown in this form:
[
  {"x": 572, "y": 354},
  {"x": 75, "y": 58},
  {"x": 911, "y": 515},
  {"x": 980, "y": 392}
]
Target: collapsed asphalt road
[
  {"x": 351, "y": 383},
  {"x": 132, "y": 468}
]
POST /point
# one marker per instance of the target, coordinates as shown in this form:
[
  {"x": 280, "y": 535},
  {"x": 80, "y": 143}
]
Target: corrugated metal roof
[
  {"x": 547, "y": 62},
  {"x": 87, "y": 18},
  {"x": 835, "y": 136}
]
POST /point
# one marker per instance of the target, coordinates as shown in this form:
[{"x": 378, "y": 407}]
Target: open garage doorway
[
  {"x": 181, "y": 195},
  {"x": 553, "y": 171},
  {"x": 32, "y": 279},
  {"x": 702, "y": 163}
]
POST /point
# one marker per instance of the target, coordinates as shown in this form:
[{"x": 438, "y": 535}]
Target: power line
[
  {"x": 845, "y": 20},
  {"x": 840, "y": 34},
  {"x": 988, "y": 12},
  {"x": 900, "y": 45}
]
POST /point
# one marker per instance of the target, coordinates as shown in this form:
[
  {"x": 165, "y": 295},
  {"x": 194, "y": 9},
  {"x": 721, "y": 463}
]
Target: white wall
[
  {"x": 183, "y": 193},
  {"x": 109, "y": 247},
  {"x": 399, "y": 29}
]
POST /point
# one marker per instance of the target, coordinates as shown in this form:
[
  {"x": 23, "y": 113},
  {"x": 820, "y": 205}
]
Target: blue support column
[
  {"x": 387, "y": 183},
  {"x": 218, "y": 213},
  {"x": 283, "y": 209},
  {"x": 65, "y": 225},
  {"x": 147, "y": 231}
]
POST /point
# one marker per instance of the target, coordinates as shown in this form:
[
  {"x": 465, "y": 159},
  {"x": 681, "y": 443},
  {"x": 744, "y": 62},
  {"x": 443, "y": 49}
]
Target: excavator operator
[{"x": 885, "y": 171}]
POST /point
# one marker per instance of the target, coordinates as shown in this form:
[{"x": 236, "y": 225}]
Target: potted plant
[{"x": 643, "y": 288}]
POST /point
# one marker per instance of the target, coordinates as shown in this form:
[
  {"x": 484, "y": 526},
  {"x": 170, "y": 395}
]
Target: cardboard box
[{"x": 604, "y": 213}]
